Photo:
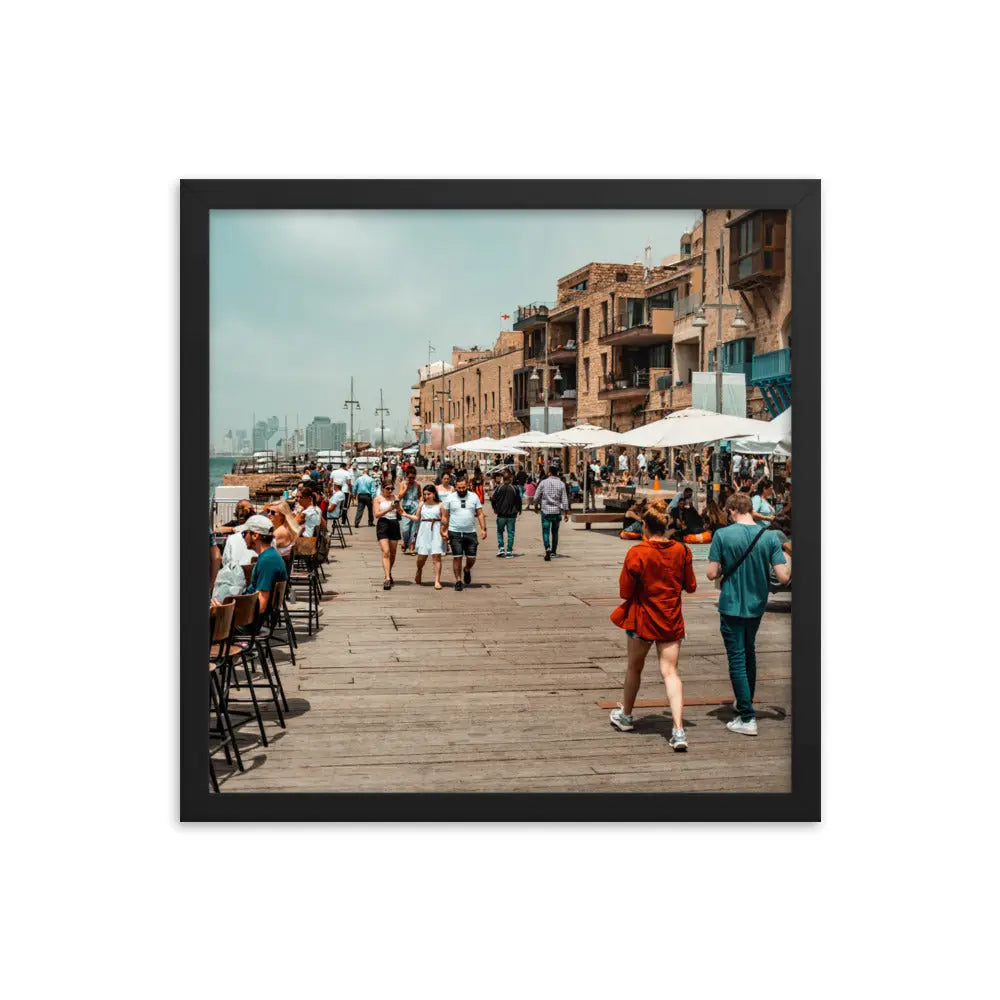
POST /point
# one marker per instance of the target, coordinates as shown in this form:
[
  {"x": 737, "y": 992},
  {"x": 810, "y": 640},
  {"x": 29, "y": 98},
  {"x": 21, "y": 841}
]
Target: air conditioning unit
[
  {"x": 569, "y": 394},
  {"x": 570, "y": 345}
]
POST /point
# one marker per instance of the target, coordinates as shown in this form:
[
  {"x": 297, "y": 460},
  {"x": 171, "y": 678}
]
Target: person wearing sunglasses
[
  {"x": 387, "y": 510},
  {"x": 459, "y": 513}
]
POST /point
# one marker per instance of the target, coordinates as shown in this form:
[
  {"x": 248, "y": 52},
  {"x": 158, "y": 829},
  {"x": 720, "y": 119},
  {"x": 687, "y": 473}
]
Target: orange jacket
[{"x": 652, "y": 578}]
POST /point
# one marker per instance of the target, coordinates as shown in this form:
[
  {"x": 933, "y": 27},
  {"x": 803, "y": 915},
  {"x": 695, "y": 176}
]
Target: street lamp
[{"x": 739, "y": 323}]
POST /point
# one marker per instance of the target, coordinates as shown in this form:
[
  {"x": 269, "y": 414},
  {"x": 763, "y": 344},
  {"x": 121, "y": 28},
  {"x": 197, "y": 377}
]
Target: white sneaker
[
  {"x": 678, "y": 740},
  {"x": 745, "y": 728},
  {"x": 620, "y": 720}
]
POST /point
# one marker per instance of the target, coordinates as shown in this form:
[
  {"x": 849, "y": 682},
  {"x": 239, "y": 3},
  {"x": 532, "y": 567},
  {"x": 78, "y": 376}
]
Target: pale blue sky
[{"x": 302, "y": 300}]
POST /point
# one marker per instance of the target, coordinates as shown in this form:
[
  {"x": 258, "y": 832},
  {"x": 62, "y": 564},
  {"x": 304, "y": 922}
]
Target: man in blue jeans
[
  {"x": 552, "y": 501},
  {"x": 506, "y": 501},
  {"x": 743, "y": 553}
]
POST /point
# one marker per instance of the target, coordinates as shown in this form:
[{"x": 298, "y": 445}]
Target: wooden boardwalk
[{"x": 496, "y": 688}]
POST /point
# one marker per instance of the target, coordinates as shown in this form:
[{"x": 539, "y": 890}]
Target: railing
[
  {"x": 540, "y": 309},
  {"x": 685, "y": 306},
  {"x": 636, "y": 379},
  {"x": 774, "y": 364}
]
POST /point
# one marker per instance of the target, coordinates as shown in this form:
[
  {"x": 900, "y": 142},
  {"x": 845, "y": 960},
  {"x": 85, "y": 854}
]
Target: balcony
[
  {"x": 533, "y": 314},
  {"x": 771, "y": 374},
  {"x": 631, "y": 385},
  {"x": 536, "y": 397},
  {"x": 756, "y": 249},
  {"x": 773, "y": 365},
  {"x": 686, "y": 307},
  {"x": 562, "y": 352}
]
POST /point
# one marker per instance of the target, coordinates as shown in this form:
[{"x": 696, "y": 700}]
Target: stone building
[{"x": 623, "y": 341}]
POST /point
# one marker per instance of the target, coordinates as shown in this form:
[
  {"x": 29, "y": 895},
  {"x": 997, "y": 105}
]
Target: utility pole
[
  {"x": 383, "y": 411},
  {"x": 351, "y": 405}
]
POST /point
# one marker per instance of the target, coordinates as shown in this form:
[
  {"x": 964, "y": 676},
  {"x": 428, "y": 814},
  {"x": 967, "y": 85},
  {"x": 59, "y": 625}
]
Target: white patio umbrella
[
  {"x": 587, "y": 436},
  {"x": 775, "y": 438},
  {"x": 484, "y": 446},
  {"x": 691, "y": 426},
  {"x": 532, "y": 439}
]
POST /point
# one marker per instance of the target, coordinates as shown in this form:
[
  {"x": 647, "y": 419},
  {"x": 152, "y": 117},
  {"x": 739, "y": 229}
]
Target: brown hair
[
  {"x": 739, "y": 503},
  {"x": 655, "y": 517}
]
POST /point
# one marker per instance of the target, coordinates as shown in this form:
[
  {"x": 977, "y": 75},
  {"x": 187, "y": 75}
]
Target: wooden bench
[{"x": 597, "y": 517}]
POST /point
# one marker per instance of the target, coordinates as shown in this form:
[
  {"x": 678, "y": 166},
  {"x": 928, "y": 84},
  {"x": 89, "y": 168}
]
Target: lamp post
[
  {"x": 383, "y": 411},
  {"x": 435, "y": 392},
  {"x": 739, "y": 323},
  {"x": 351, "y": 405}
]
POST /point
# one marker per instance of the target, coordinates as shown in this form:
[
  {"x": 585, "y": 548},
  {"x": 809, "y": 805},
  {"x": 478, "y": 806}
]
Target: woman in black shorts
[{"x": 387, "y": 531}]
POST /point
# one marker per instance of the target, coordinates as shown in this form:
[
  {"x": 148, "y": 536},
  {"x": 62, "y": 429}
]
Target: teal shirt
[
  {"x": 365, "y": 484},
  {"x": 268, "y": 568},
  {"x": 745, "y": 594}
]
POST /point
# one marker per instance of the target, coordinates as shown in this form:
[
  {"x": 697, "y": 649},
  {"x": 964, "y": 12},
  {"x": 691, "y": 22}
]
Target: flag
[{"x": 504, "y": 315}]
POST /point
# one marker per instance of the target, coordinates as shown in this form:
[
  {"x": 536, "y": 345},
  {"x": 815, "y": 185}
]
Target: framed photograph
[{"x": 499, "y": 503}]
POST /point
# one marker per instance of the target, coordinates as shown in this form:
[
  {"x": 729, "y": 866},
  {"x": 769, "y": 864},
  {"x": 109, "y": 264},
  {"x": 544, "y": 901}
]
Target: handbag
[{"x": 727, "y": 573}]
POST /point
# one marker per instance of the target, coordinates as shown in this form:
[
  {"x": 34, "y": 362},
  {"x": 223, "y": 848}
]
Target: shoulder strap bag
[{"x": 727, "y": 573}]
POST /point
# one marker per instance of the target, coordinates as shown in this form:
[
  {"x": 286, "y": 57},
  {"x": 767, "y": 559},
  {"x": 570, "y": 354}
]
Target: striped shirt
[{"x": 551, "y": 496}]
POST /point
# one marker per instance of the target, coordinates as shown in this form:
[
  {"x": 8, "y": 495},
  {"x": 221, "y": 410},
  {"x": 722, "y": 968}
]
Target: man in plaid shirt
[{"x": 552, "y": 501}]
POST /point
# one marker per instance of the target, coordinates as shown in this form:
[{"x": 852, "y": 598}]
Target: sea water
[{"x": 217, "y": 468}]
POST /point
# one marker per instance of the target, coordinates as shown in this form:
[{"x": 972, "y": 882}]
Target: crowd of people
[{"x": 747, "y": 523}]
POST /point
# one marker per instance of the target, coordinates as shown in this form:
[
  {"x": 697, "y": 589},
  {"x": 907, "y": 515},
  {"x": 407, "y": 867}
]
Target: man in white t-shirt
[
  {"x": 336, "y": 506},
  {"x": 642, "y": 466},
  {"x": 623, "y": 462},
  {"x": 459, "y": 513},
  {"x": 342, "y": 480}
]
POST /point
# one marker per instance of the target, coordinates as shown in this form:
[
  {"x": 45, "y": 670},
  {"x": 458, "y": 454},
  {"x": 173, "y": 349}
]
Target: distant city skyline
[{"x": 301, "y": 301}]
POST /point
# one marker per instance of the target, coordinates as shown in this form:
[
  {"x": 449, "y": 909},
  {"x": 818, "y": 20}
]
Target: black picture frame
[{"x": 199, "y": 197}]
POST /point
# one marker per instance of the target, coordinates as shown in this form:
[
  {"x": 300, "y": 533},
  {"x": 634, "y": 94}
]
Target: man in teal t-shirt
[{"x": 743, "y": 598}]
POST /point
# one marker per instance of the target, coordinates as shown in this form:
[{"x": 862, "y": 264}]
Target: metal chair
[{"x": 221, "y": 629}]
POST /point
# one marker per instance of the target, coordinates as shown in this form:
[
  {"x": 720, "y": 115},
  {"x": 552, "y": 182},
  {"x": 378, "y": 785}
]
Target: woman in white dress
[{"x": 429, "y": 543}]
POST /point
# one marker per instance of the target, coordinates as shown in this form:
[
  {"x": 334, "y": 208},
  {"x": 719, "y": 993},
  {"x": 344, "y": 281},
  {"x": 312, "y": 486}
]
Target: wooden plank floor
[{"x": 496, "y": 688}]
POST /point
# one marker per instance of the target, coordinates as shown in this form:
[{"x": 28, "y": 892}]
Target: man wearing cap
[{"x": 258, "y": 533}]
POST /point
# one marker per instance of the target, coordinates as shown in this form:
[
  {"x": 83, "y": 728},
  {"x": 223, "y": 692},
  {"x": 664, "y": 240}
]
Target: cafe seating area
[{"x": 248, "y": 705}]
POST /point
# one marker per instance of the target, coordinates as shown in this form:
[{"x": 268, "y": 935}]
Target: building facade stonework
[{"x": 623, "y": 341}]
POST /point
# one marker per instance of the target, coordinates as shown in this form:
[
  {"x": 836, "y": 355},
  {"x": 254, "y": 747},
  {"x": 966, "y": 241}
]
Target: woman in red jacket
[{"x": 653, "y": 576}]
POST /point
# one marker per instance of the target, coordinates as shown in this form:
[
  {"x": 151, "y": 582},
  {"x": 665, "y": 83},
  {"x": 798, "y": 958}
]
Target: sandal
[
  {"x": 387, "y": 585},
  {"x": 437, "y": 586}
]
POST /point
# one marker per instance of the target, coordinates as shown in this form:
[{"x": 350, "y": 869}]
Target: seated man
[
  {"x": 335, "y": 506},
  {"x": 691, "y": 520},
  {"x": 680, "y": 498},
  {"x": 269, "y": 567}
]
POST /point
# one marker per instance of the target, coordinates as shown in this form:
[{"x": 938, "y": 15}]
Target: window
[
  {"x": 685, "y": 248},
  {"x": 604, "y": 364},
  {"x": 580, "y": 286},
  {"x": 768, "y": 233},
  {"x": 585, "y": 326},
  {"x": 621, "y": 276},
  {"x": 493, "y": 396},
  {"x": 586, "y": 373}
]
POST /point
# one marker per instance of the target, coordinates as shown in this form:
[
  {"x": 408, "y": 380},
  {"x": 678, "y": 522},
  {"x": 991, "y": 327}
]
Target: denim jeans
[
  {"x": 738, "y": 635},
  {"x": 505, "y": 524},
  {"x": 550, "y": 529}
]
